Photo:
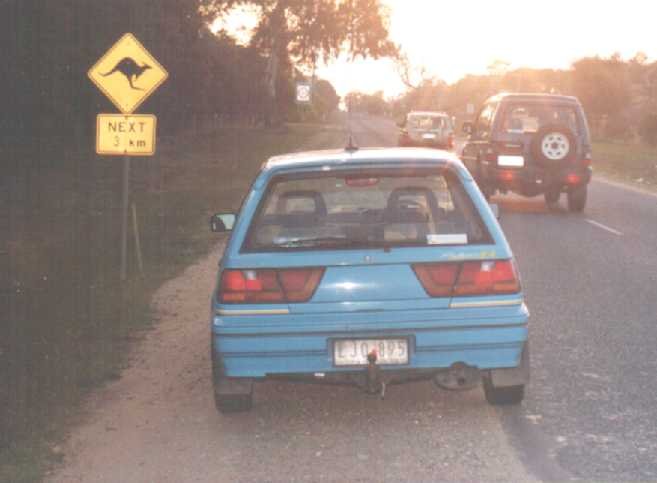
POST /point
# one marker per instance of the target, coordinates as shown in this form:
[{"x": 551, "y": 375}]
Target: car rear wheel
[
  {"x": 552, "y": 198},
  {"x": 503, "y": 396},
  {"x": 234, "y": 403},
  {"x": 577, "y": 199},
  {"x": 227, "y": 403}
]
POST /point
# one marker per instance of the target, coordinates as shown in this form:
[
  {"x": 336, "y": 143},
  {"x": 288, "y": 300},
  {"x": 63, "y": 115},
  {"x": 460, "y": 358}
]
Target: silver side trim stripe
[
  {"x": 485, "y": 303},
  {"x": 253, "y": 312}
]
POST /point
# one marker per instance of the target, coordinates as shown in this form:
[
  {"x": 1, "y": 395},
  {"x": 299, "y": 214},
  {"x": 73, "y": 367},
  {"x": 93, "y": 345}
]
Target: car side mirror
[
  {"x": 495, "y": 208},
  {"x": 468, "y": 127},
  {"x": 222, "y": 222}
]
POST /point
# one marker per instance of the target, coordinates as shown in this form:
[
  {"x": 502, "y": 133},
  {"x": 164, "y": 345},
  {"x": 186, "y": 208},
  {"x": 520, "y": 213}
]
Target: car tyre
[
  {"x": 563, "y": 136},
  {"x": 227, "y": 403},
  {"x": 577, "y": 199},
  {"x": 233, "y": 403},
  {"x": 552, "y": 198},
  {"x": 503, "y": 396}
]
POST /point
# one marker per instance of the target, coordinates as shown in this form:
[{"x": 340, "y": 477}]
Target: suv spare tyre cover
[{"x": 554, "y": 144}]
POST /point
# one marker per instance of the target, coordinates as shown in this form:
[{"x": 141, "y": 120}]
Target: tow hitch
[{"x": 374, "y": 382}]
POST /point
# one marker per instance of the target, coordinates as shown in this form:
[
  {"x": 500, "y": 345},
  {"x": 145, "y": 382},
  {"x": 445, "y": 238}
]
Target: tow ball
[{"x": 374, "y": 382}]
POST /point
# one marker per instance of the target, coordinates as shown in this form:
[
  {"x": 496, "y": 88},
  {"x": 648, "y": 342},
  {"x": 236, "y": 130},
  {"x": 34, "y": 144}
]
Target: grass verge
[
  {"x": 631, "y": 163},
  {"x": 62, "y": 359}
]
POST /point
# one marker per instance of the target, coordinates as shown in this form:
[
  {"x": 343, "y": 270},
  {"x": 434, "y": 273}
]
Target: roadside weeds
[{"x": 204, "y": 172}]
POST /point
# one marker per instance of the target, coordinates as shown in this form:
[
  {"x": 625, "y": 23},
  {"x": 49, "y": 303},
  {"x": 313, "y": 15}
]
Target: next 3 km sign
[
  {"x": 127, "y": 74},
  {"x": 117, "y": 134}
]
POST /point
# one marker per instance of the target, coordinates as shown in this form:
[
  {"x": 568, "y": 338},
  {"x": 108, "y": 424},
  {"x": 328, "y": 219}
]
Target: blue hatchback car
[{"x": 368, "y": 267}]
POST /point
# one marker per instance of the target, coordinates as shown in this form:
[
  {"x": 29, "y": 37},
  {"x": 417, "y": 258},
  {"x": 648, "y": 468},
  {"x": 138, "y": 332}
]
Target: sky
[{"x": 451, "y": 39}]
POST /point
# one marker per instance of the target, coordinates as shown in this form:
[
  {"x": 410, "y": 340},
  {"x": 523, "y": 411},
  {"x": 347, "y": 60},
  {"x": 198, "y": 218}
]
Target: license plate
[
  {"x": 428, "y": 136},
  {"x": 513, "y": 161},
  {"x": 353, "y": 352}
]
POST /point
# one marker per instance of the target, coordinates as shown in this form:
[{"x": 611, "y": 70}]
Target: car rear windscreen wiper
[{"x": 325, "y": 241}]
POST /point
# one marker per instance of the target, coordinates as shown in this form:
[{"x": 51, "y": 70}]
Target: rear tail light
[
  {"x": 268, "y": 285},
  {"x": 488, "y": 277},
  {"x": 506, "y": 175},
  {"x": 450, "y": 141},
  {"x": 573, "y": 178},
  {"x": 438, "y": 279}
]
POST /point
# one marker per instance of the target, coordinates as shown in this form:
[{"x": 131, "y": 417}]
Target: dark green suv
[{"x": 531, "y": 144}]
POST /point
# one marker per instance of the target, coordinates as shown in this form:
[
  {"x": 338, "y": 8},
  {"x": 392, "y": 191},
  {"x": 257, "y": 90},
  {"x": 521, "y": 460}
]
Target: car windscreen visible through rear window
[
  {"x": 364, "y": 210},
  {"x": 426, "y": 122},
  {"x": 530, "y": 117}
]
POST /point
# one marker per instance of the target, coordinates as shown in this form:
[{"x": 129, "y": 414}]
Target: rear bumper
[
  {"x": 533, "y": 180},
  {"x": 262, "y": 346}
]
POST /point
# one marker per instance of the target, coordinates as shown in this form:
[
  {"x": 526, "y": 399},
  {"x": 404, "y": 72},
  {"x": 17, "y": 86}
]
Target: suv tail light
[
  {"x": 487, "y": 277},
  {"x": 450, "y": 141},
  {"x": 588, "y": 159},
  {"x": 268, "y": 285}
]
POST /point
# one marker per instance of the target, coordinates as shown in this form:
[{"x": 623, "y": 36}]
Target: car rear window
[
  {"x": 364, "y": 210},
  {"x": 427, "y": 122},
  {"x": 529, "y": 118}
]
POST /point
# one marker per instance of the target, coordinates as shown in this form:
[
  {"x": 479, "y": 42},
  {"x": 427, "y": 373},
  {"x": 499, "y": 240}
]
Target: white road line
[{"x": 605, "y": 227}]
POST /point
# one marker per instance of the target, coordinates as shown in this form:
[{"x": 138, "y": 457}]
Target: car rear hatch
[{"x": 521, "y": 123}]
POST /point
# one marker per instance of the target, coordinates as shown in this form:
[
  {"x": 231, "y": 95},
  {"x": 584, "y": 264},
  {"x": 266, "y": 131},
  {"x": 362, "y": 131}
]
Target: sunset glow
[{"x": 452, "y": 39}]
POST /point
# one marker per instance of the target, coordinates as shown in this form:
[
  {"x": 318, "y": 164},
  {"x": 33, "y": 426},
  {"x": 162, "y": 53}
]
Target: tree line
[
  {"x": 49, "y": 46},
  {"x": 619, "y": 96}
]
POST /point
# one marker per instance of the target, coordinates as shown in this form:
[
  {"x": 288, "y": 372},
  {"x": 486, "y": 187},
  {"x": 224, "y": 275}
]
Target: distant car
[
  {"x": 531, "y": 144},
  {"x": 427, "y": 128},
  {"x": 368, "y": 267}
]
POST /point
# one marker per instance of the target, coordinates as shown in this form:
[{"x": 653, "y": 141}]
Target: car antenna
[{"x": 351, "y": 146}]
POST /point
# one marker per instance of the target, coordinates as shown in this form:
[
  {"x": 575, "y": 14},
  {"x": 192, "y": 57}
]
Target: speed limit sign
[{"x": 303, "y": 92}]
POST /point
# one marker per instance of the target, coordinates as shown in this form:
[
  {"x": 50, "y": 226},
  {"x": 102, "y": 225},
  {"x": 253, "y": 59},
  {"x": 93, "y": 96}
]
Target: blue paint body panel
[{"x": 367, "y": 293}]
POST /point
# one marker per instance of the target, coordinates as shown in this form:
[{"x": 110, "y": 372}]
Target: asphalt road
[
  {"x": 590, "y": 281},
  {"x": 590, "y": 284}
]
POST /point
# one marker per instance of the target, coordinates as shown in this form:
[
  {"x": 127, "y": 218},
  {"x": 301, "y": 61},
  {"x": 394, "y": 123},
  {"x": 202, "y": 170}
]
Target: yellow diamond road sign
[
  {"x": 127, "y": 74},
  {"x": 117, "y": 134}
]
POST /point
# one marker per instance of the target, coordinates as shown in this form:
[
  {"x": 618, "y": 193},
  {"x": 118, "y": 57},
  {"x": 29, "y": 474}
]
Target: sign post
[
  {"x": 124, "y": 217},
  {"x": 127, "y": 74}
]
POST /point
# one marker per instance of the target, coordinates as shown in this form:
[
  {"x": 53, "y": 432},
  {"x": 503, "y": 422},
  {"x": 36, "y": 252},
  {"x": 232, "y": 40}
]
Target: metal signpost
[{"x": 127, "y": 74}]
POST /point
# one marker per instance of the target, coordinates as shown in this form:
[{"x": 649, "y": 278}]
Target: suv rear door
[{"x": 479, "y": 141}]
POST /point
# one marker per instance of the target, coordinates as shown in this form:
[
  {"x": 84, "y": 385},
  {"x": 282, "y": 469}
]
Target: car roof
[
  {"x": 362, "y": 157},
  {"x": 528, "y": 96}
]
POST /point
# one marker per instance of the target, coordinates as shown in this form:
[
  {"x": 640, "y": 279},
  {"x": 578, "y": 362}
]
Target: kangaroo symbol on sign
[{"x": 130, "y": 69}]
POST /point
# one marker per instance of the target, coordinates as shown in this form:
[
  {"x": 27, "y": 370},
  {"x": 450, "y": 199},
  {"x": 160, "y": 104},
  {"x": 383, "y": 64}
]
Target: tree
[
  {"x": 325, "y": 100},
  {"x": 412, "y": 76},
  {"x": 301, "y": 33},
  {"x": 602, "y": 85}
]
